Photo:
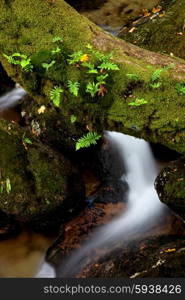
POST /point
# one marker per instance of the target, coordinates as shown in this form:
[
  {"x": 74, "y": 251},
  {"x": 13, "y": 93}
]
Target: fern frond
[
  {"x": 156, "y": 75},
  {"x": 73, "y": 87},
  {"x": 55, "y": 95},
  {"x": 87, "y": 140},
  {"x": 48, "y": 66},
  {"x": 108, "y": 65},
  {"x": 92, "y": 88},
  {"x": 75, "y": 57}
]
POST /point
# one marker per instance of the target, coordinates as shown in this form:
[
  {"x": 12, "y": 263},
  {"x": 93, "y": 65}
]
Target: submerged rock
[{"x": 170, "y": 185}]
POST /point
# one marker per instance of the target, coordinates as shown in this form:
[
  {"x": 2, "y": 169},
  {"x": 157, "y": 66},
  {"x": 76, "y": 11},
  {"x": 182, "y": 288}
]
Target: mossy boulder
[
  {"x": 42, "y": 184},
  {"x": 162, "y": 32},
  {"x": 26, "y": 31},
  {"x": 170, "y": 185}
]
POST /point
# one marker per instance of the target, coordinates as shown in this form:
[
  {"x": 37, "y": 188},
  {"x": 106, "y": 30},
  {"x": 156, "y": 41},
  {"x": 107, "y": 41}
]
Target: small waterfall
[
  {"x": 11, "y": 98},
  {"x": 143, "y": 210}
]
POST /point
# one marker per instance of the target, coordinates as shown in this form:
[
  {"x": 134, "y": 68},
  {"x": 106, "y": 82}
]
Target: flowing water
[
  {"x": 11, "y": 98},
  {"x": 143, "y": 210},
  {"x": 24, "y": 256}
]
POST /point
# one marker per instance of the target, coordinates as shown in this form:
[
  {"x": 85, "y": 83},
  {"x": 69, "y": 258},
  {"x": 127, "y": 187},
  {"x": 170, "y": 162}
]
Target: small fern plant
[
  {"x": 73, "y": 87},
  {"x": 87, "y": 140},
  {"x": 20, "y": 59},
  {"x": 55, "y": 95},
  {"x": 48, "y": 66},
  {"x": 180, "y": 87},
  {"x": 156, "y": 75},
  {"x": 92, "y": 88}
]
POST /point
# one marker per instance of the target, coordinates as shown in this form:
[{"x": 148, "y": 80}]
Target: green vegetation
[
  {"x": 73, "y": 87},
  {"x": 26, "y": 140},
  {"x": 5, "y": 186},
  {"x": 156, "y": 75},
  {"x": 155, "y": 85},
  {"x": 87, "y": 140},
  {"x": 73, "y": 119},
  {"x": 47, "y": 66},
  {"x": 180, "y": 87},
  {"x": 93, "y": 63},
  {"x": 55, "y": 95},
  {"x": 57, "y": 39},
  {"x": 134, "y": 77},
  {"x": 20, "y": 59},
  {"x": 138, "y": 102},
  {"x": 92, "y": 88}
]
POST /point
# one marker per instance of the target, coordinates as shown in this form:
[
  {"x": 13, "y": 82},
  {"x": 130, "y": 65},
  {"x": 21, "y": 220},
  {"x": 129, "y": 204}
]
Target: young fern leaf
[
  {"x": 156, "y": 75},
  {"x": 91, "y": 67},
  {"x": 108, "y": 65},
  {"x": 75, "y": 57},
  {"x": 73, "y": 87},
  {"x": 155, "y": 85},
  {"x": 48, "y": 66},
  {"x": 57, "y": 39},
  {"x": 22, "y": 60},
  {"x": 8, "y": 185},
  {"x": 133, "y": 76},
  {"x": 180, "y": 87},
  {"x": 73, "y": 119},
  {"x": 92, "y": 88},
  {"x": 55, "y": 95},
  {"x": 55, "y": 51},
  {"x": 101, "y": 79},
  {"x": 87, "y": 140}
]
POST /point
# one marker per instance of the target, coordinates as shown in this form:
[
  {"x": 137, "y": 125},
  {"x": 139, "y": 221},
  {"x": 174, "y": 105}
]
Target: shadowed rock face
[
  {"x": 6, "y": 83},
  {"x": 170, "y": 185}
]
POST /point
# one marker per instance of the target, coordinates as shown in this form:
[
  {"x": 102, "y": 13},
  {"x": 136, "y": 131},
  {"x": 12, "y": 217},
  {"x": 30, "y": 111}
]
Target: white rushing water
[
  {"x": 143, "y": 210},
  {"x": 11, "y": 98}
]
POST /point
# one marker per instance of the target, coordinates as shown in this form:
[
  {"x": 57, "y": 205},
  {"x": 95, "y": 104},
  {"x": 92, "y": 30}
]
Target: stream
[
  {"x": 23, "y": 256},
  {"x": 143, "y": 210}
]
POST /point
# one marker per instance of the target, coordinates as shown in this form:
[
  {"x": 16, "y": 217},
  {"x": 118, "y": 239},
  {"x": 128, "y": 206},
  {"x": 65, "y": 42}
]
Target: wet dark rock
[
  {"x": 170, "y": 186},
  {"x": 8, "y": 227},
  {"x": 80, "y": 229},
  {"x": 161, "y": 256},
  {"x": 163, "y": 153},
  {"x": 87, "y": 4},
  {"x": 112, "y": 191}
]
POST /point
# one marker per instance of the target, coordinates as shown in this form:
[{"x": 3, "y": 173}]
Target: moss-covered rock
[
  {"x": 37, "y": 183},
  {"x": 170, "y": 185},
  {"x": 25, "y": 30}
]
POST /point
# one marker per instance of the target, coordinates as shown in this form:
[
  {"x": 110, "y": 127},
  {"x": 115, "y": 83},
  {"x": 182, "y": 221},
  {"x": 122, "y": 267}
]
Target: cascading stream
[
  {"x": 144, "y": 207},
  {"x": 11, "y": 98}
]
